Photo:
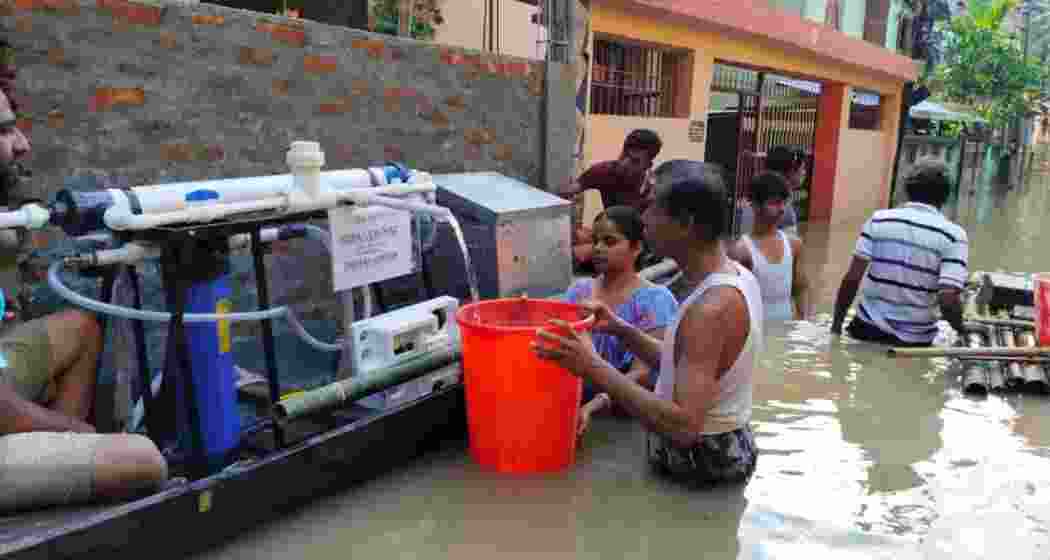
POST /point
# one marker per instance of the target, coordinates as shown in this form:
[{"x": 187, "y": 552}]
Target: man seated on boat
[
  {"x": 698, "y": 416},
  {"x": 910, "y": 259},
  {"x": 49, "y": 453}
]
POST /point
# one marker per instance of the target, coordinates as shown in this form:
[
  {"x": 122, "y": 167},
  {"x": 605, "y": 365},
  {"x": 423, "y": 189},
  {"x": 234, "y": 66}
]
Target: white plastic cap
[{"x": 305, "y": 154}]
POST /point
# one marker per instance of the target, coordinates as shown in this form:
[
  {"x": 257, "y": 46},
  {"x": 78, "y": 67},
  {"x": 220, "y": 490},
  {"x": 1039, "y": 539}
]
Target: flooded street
[{"x": 863, "y": 456}]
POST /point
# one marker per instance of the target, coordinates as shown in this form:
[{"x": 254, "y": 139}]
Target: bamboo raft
[{"x": 998, "y": 351}]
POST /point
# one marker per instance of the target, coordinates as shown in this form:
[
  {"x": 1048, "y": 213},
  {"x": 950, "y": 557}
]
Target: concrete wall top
[{"x": 149, "y": 91}]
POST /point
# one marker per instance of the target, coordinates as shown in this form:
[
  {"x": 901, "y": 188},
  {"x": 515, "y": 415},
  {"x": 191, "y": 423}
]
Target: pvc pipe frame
[
  {"x": 132, "y": 253},
  {"x": 119, "y": 217}
]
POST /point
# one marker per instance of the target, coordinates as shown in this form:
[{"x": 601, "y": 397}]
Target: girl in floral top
[{"x": 618, "y": 244}]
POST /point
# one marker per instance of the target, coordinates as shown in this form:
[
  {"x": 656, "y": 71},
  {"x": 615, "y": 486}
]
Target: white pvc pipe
[
  {"x": 154, "y": 199},
  {"x": 54, "y": 280},
  {"x": 364, "y": 198},
  {"x": 120, "y": 217},
  {"x": 30, "y": 216}
]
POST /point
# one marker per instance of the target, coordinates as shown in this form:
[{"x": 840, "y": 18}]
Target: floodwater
[{"x": 862, "y": 456}]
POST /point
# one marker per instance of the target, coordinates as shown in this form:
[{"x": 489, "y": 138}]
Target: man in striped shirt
[{"x": 908, "y": 259}]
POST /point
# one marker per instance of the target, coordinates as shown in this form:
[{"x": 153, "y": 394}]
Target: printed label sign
[{"x": 369, "y": 245}]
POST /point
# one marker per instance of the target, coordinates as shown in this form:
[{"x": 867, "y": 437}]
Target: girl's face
[
  {"x": 771, "y": 211},
  {"x": 613, "y": 251}
]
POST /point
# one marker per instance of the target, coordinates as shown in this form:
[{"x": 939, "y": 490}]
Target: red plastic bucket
[
  {"x": 1042, "y": 308},
  {"x": 521, "y": 410}
]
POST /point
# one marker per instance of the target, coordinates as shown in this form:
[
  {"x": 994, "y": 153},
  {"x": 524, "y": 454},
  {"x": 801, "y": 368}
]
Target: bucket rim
[{"x": 581, "y": 325}]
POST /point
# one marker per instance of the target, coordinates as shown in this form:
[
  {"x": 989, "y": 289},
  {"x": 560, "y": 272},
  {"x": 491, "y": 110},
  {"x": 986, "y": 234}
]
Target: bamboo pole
[{"x": 955, "y": 352}]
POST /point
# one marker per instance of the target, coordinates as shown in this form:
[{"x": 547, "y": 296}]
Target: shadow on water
[{"x": 863, "y": 456}]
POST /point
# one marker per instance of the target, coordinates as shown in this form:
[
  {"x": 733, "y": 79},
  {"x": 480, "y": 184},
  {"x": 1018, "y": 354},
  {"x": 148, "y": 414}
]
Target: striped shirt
[{"x": 912, "y": 251}]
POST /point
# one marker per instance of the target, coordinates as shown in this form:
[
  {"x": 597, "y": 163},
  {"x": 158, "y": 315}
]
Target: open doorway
[{"x": 752, "y": 111}]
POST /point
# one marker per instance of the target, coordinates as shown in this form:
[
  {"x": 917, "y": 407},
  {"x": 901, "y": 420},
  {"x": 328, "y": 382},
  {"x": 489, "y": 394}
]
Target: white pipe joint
[
  {"x": 30, "y": 216},
  {"x": 305, "y": 160}
]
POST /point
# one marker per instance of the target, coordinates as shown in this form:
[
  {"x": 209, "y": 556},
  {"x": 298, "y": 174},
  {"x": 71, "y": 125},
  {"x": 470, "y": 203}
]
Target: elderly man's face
[{"x": 13, "y": 144}]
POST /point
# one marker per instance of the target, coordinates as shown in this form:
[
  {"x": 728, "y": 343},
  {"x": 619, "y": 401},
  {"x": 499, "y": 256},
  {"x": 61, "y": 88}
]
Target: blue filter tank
[{"x": 211, "y": 359}]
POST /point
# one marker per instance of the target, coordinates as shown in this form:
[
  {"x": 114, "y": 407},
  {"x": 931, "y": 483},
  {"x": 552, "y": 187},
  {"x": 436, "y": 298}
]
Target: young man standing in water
[
  {"x": 790, "y": 164},
  {"x": 49, "y": 453},
  {"x": 909, "y": 258},
  {"x": 774, "y": 257},
  {"x": 698, "y": 416},
  {"x": 621, "y": 182}
]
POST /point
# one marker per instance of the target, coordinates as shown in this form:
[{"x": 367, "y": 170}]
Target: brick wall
[{"x": 144, "y": 91}]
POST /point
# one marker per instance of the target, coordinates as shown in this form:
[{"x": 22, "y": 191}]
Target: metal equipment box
[{"x": 518, "y": 237}]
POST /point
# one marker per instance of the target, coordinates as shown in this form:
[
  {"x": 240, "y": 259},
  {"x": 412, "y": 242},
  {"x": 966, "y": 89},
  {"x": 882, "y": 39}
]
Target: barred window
[{"x": 639, "y": 81}]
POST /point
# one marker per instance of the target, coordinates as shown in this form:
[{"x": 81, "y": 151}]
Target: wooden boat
[{"x": 331, "y": 451}]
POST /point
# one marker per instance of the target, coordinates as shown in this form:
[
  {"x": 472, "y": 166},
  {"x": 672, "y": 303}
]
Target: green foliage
[
  {"x": 984, "y": 66},
  {"x": 426, "y": 14}
]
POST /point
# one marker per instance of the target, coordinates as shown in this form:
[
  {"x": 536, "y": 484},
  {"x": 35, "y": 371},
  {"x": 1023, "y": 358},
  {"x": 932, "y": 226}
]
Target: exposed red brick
[
  {"x": 56, "y": 55},
  {"x": 449, "y": 56},
  {"x": 502, "y": 152},
  {"x": 343, "y": 151},
  {"x": 438, "y": 119},
  {"x": 392, "y": 152},
  {"x": 24, "y": 124},
  {"x": 535, "y": 83},
  {"x": 375, "y": 48},
  {"x": 260, "y": 57},
  {"x": 320, "y": 64},
  {"x": 335, "y": 106},
  {"x": 288, "y": 34},
  {"x": 359, "y": 88},
  {"x": 24, "y": 25},
  {"x": 56, "y": 119},
  {"x": 391, "y": 103},
  {"x": 214, "y": 152},
  {"x": 202, "y": 19},
  {"x": 107, "y": 98},
  {"x": 423, "y": 105},
  {"x": 280, "y": 87},
  {"x": 65, "y": 7},
  {"x": 456, "y": 103},
  {"x": 478, "y": 136},
  {"x": 131, "y": 12},
  {"x": 178, "y": 152},
  {"x": 168, "y": 40}
]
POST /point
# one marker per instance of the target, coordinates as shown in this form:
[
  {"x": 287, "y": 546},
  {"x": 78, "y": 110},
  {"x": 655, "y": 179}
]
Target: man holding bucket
[{"x": 698, "y": 417}]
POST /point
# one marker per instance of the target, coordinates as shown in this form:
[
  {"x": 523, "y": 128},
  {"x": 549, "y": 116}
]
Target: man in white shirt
[{"x": 909, "y": 259}]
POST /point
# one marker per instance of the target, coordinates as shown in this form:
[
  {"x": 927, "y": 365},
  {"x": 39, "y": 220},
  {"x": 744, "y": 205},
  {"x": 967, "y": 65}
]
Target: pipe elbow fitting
[{"x": 36, "y": 216}]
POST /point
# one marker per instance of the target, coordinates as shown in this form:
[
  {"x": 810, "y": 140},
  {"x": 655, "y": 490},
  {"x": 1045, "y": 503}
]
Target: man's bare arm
[
  {"x": 19, "y": 415},
  {"x": 799, "y": 282},
  {"x": 644, "y": 346},
  {"x": 950, "y": 300},
  {"x": 848, "y": 291}
]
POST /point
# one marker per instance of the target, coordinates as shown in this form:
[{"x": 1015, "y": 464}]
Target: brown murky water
[{"x": 862, "y": 457}]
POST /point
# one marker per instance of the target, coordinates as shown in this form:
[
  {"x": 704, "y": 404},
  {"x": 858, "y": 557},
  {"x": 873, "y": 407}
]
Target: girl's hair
[{"x": 629, "y": 221}]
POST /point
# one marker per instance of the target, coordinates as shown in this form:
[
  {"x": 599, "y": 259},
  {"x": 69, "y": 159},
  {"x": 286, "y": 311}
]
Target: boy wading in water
[
  {"x": 774, "y": 257},
  {"x": 698, "y": 416}
]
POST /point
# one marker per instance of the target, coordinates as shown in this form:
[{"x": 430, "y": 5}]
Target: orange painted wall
[{"x": 709, "y": 46}]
